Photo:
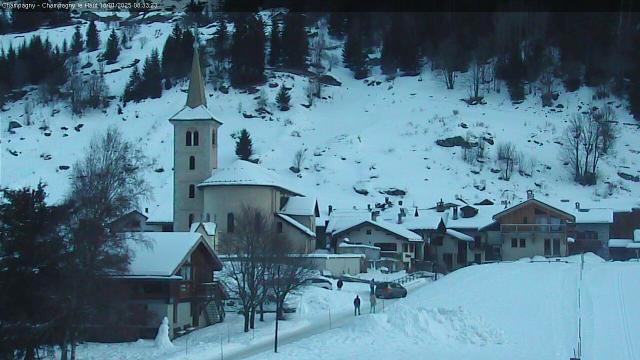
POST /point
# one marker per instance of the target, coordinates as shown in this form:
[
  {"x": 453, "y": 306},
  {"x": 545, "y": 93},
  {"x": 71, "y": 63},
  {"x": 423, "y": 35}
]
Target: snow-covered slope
[
  {"x": 371, "y": 136},
  {"x": 519, "y": 310}
]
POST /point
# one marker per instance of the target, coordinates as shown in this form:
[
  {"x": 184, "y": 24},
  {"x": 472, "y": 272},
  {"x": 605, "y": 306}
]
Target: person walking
[
  {"x": 372, "y": 285},
  {"x": 372, "y": 301},
  {"x": 356, "y": 306},
  {"x": 340, "y": 284}
]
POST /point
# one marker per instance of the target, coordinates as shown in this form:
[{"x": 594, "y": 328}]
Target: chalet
[
  {"x": 398, "y": 246},
  {"x": 625, "y": 249},
  {"x": 530, "y": 228},
  {"x": 591, "y": 231},
  {"x": 170, "y": 274}
]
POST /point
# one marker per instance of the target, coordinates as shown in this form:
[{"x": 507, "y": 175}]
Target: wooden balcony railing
[
  {"x": 210, "y": 290},
  {"x": 545, "y": 228}
]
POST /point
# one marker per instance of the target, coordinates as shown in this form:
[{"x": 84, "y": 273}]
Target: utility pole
[{"x": 275, "y": 344}]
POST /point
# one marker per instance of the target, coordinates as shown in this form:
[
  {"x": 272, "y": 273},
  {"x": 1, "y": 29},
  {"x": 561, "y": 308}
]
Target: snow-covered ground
[
  {"x": 371, "y": 136},
  {"x": 519, "y": 310}
]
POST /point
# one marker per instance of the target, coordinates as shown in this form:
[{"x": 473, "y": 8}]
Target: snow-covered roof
[
  {"x": 332, "y": 256},
  {"x": 426, "y": 220},
  {"x": 619, "y": 243},
  {"x": 297, "y": 224},
  {"x": 339, "y": 224},
  {"x": 159, "y": 253},
  {"x": 594, "y": 216},
  {"x": 209, "y": 227},
  {"x": 242, "y": 172},
  {"x": 483, "y": 218},
  {"x": 348, "y": 245},
  {"x": 300, "y": 205},
  {"x": 458, "y": 235},
  {"x": 197, "y": 113}
]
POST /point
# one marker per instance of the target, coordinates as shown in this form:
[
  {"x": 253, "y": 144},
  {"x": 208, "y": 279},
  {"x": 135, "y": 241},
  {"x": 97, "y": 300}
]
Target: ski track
[{"x": 623, "y": 316}]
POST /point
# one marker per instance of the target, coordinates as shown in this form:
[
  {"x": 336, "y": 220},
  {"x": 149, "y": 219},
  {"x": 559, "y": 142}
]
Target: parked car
[
  {"x": 323, "y": 283},
  {"x": 390, "y": 290}
]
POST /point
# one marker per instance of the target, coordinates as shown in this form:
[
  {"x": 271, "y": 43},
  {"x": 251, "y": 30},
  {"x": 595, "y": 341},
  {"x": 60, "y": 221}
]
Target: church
[{"x": 203, "y": 193}]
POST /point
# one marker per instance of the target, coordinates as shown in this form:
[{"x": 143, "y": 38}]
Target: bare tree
[
  {"x": 298, "y": 160},
  {"x": 313, "y": 89},
  {"x": 506, "y": 159},
  {"x": 572, "y": 141},
  {"x": 608, "y": 131},
  {"x": 247, "y": 269},
  {"x": 319, "y": 45}
]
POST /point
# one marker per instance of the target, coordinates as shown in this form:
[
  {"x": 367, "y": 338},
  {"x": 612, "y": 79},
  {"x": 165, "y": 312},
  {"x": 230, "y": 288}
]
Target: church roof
[
  {"x": 300, "y": 205},
  {"x": 196, "y": 106},
  {"x": 242, "y": 172}
]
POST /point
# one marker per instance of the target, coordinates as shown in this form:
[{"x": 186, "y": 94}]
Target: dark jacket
[
  {"x": 339, "y": 284},
  {"x": 356, "y": 302}
]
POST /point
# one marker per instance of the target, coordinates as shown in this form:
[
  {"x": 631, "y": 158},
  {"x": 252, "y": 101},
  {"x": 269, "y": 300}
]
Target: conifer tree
[
  {"x": 151, "y": 85},
  {"x": 353, "y": 53},
  {"x": 283, "y": 98},
  {"x": 275, "y": 42},
  {"x": 220, "y": 38},
  {"x": 112, "y": 51},
  {"x": 247, "y": 52},
  {"x": 295, "y": 45},
  {"x": 244, "y": 145},
  {"x": 132, "y": 89},
  {"x": 77, "y": 44},
  {"x": 93, "y": 40}
]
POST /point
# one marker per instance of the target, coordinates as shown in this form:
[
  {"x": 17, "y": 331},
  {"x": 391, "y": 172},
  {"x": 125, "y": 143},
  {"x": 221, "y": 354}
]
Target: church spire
[{"x": 196, "y": 95}]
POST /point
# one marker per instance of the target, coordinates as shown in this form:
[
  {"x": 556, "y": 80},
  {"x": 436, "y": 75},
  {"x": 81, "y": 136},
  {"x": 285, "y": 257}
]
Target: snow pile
[
  {"x": 443, "y": 326},
  {"x": 163, "y": 342}
]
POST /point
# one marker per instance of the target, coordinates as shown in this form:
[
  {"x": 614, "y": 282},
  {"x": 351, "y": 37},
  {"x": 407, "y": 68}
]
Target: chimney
[
  {"x": 330, "y": 209},
  {"x": 577, "y": 205},
  {"x": 386, "y": 200},
  {"x": 374, "y": 215},
  {"x": 455, "y": 213},
  {"x": 440, "y": 206},
  {"x": 400, "y": 202},
  {"x": 416, "y": 213},
  {"x": 399, "y": 218},
  {"x": 369, "y": 207},
  {"x": 529, "y": 194},
  {"x": 146, "y": 210},
  {"x": 326, "y": 224}
]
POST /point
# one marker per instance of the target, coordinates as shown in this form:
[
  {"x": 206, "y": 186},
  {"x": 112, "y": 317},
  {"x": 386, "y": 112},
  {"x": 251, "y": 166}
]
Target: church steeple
[{"x": 196, "y": 95}]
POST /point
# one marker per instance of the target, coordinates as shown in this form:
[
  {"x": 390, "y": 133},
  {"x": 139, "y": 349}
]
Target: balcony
[
  {"x": 207, "y": 291},
  {"x": 533, "y": 228}
]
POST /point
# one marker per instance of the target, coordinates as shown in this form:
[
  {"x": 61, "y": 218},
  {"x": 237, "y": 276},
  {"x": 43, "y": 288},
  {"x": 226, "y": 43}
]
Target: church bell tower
[{"x": 195, "y": 151}]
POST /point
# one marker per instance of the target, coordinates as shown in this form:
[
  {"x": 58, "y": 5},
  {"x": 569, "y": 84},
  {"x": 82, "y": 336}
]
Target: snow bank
[{"x": 443, "y": 326}]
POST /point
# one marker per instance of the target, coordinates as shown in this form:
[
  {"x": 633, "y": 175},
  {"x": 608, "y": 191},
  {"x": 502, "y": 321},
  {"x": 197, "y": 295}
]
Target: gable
[{"x": 529, "y": 209}]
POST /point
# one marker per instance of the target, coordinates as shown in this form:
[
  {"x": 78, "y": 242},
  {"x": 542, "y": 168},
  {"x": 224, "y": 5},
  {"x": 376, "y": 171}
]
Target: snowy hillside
[{"x": 373, "y": 135}]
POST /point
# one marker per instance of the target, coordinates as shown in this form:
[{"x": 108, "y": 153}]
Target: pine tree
[
  {"x": 244, "y": 145},
  {"x": 220, "y": 38},
  {"x": 283, "y": 98},
  {"x": 275, "y": 42},
  {"x": 93, "y": 40},
  {"x": 634, "y": 85},
  {"x": 151, "y": 85},
  {"x": 186, "y": 52},
  {"x": 295, "y": 45},
  {"x": 353, "y": 53},
  {"x": 247, "y": 52},
  {"x": 112, "y": 51},
  {"x": 171, "y": 54},
  {"x": 132, "y": 89},
  {"x": 77, "y": 44}
]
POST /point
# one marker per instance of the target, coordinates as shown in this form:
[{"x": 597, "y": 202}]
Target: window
[
  {"x": 188, "y": 139},
  {"x": 196, "y": 139},
  {"x": 368, "y": 231},
  {"x": 523, "y": 243},
  {"x": 525, "y": 220},
  {"x": 213, "y": 138},
  {"x": 477, "y": 258},
  {"x": 437, "y": 241},
  {"x": 192, "y": 191},
  {"x": 405, "y": 247},
  {"x": 556, "y": 247},
  {"x": 192, "y": 162},
  {"x": 279, "y": 226},
  {"x": 230, "y": 223},
  {"x": 514, "y": 242},
  {"x": 547, "y": 247},
  {"x": 387, "y": 246},
  {"x": 190, "y": 220},
  {"x": 477, "y": 241}
]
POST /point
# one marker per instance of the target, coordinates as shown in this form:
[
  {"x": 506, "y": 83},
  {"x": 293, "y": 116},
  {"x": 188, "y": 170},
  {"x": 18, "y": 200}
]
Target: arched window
[
  {"x": 230, "y": 223},
  {"x": 192, "y": 191},
  {"x": 188, "y": 139},
  {"x": 192, "y": 162},
  {"x": 195, "y": 138},
  {"x": 213, "y": 137},
  {"x": 190, "y": 220}
]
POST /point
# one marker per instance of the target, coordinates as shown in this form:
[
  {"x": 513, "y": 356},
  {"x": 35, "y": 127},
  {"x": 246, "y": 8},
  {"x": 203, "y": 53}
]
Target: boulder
[
  {"x": 628, "y": 177},
  {"x": 454, "y": 141},
  {"x": 14, "y": 125},
  {"x": 329, "y": 80}
]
